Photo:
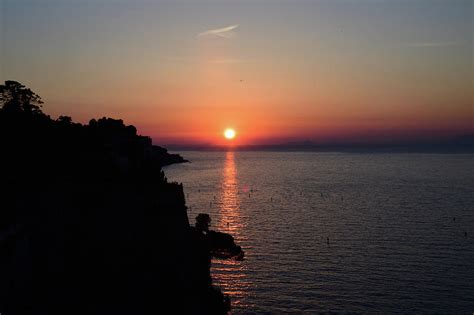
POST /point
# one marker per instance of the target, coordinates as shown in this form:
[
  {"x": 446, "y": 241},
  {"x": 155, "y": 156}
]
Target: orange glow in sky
[{"x": 276, "y": 73}]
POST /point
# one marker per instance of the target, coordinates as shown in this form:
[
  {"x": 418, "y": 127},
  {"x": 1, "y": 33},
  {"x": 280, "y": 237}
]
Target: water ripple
[{"x": 339, "y": 232}]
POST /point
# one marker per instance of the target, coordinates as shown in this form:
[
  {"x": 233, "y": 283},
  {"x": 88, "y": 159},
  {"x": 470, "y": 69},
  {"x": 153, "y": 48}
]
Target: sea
[{"x": 338, "y": 232}]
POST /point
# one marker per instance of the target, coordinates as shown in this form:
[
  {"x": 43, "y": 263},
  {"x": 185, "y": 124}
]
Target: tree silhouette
[
  {"x": 65, "y": 120},
  {"x": 15, "y": 97}
]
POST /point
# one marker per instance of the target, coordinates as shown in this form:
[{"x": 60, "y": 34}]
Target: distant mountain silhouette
[
  {"x": 89, "y": 223},
  {"x": 460, "y": 144}
]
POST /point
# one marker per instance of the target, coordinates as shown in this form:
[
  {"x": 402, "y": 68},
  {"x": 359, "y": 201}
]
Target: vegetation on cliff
[{"x": 89, "y": 224}]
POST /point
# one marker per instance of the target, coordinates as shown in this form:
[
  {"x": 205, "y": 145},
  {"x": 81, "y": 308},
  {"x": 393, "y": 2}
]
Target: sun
[{"x": 229, "y": 133}]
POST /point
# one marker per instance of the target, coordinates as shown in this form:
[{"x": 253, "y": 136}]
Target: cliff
[{"x": 90, "y": 225}]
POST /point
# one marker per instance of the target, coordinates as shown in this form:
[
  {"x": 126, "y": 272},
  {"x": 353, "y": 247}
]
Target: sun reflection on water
[
  {"x": 231, "y": 275},
  {"x": 229, "y": 216}
]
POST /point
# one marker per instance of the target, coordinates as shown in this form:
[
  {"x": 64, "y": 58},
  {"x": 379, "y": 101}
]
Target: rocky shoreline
[{"x": 90, "y": 224}]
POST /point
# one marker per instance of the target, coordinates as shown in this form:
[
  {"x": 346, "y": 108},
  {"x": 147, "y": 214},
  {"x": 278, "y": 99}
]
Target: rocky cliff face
[
  {"x": 105, "y": 248},
  {"x": 90, "y": 225}
]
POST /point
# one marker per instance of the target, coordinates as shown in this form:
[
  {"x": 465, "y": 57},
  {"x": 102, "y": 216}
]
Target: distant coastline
[{"x": 457, "y": 145}]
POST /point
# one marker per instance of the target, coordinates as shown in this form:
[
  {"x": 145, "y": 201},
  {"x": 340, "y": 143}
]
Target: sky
[{"x": 275, "y": 71}]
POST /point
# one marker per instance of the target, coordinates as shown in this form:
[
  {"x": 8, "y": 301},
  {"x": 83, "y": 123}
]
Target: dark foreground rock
[
  {"x": 90, "y": 225},
  {"x": 221, "y": 245}
]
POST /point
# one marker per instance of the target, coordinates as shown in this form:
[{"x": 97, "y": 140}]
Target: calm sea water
[{"x": 396, "y": 227}]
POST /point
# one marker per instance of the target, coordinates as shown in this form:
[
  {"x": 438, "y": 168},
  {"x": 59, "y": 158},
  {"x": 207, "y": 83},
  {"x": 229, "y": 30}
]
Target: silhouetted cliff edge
[{"x": 89, "y": 224}]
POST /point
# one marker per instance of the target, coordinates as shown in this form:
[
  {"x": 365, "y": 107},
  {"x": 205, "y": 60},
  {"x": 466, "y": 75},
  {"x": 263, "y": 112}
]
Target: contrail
[{"x": 224, "y": 32}]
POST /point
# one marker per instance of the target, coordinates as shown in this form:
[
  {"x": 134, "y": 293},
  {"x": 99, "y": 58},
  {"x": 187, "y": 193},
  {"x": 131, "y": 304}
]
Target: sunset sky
[{"x": 275, "y": 71}]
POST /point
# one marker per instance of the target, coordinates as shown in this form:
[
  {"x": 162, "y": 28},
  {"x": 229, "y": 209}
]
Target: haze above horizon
[{"x": 276, "y": 71}]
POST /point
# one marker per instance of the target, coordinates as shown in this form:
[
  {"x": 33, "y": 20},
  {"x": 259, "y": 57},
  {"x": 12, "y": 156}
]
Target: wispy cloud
[
  {"x": 435, "y": 44},
  {"x": 224, "y": 32}
]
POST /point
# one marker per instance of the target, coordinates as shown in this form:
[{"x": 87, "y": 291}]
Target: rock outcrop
[
  {"x": 89, "y": 223},
  {"x": 221, "y": 245}
]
